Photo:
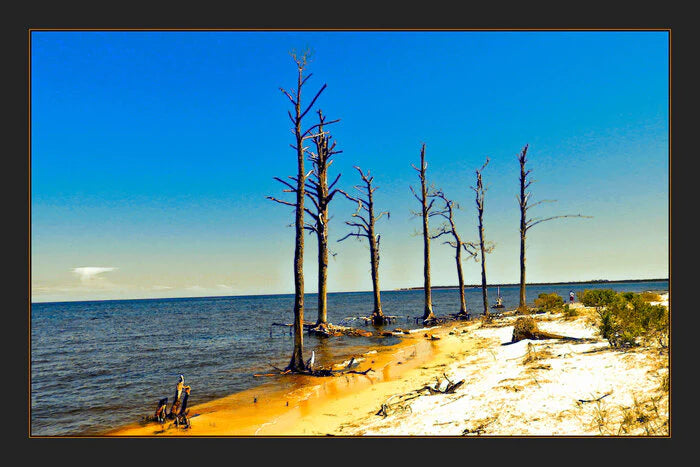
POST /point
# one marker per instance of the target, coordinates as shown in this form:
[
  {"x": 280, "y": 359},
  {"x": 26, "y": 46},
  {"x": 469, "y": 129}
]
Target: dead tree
[
  {"x": 321, "y": 194},
  {"x": 484, "y": 246},
  {"x": 365, "y": 221},
  {"x": 527, "y": 223},
  {"x": 448, "y": 228},
  {"x": 296, "y": 363},
  {"x": 424, "y": 214}
]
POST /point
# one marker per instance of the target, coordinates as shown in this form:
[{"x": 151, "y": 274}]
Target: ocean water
[{"x": 96, "y": 366}]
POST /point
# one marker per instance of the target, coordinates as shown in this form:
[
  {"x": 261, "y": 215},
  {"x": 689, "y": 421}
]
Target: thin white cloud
[
  {"x": 88, "y": 273},
  {"x": 224, "y": 286},
  {"x": 161, "y": 287}
]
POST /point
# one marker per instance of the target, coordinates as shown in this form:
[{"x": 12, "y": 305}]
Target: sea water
[{"x": 99, "y": 365}]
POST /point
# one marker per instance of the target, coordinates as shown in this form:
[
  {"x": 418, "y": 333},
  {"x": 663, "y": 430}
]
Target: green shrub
[
  {"x": 627, "y": 318},
  {"x": 570, "y": 312},
  {"x": 597, "y": 297},
  {"x": 628, "y": 295},
  {"x": 549, "y": 302},
  {"x": 650, "y": 297}
]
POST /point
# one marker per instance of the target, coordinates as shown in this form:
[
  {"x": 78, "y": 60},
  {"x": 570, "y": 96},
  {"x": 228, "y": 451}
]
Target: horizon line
[{"x": 402, "y": 289}]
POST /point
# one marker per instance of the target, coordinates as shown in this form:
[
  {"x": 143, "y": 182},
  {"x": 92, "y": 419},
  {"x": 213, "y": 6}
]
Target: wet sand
[
  {"x": 322, "y": 405},
  {"x": 582, "y": 388}
]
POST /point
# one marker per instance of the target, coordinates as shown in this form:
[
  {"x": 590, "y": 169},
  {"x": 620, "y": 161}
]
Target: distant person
[{"x": 571, "y": 297}]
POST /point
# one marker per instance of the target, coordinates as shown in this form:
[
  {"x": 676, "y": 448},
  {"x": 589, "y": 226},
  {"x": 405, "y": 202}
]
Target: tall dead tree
[
  {"x": 527, "y": 223},
  {"x": 364, "y": 223},
  {"x": 321, "y": 194},
  {"x": 449, "y": 228},
  {"x": 424, "y": 214},
  {"x": 296, "y": 364},
  {"x": 484, "y": 247}
]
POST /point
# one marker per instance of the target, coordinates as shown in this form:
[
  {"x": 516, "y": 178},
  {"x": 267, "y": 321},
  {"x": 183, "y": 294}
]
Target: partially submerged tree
[
  {"x": 424, "y": 214},
  {"x": 365, "y": 220},
  {"x": 449, "y": 228},
  {"x": 321, "y": 193},
  {"x": 527, "y": 223},
  {"x": 296, "y": 364},
  {"x": 484, "y": 246}
]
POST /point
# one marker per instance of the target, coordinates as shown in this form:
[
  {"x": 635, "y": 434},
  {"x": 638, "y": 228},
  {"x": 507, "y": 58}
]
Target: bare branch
[
  {"x": 291, "y": 188},
  {"x": 388, "y": 215},
  {"x": 288, "y": 96},
  {"x": 540, "y": 202},
  {"x": 281, "y": 201},
  {"x": 312, "y": 101},
  {"x": 531, "y": 224},
  {"x": 352, "y": 234}
]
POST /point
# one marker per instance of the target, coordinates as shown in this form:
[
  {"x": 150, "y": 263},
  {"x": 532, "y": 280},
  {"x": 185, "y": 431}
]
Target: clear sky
[{"x": 153, "y": 152}]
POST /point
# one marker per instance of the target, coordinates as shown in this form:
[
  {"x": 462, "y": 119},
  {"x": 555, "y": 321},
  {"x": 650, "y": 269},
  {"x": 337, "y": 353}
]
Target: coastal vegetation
[
  {"x": 627, "y": 318},
  {"x": 549, "y": 302}
]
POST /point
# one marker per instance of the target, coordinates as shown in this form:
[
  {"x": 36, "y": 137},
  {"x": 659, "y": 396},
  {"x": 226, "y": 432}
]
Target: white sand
[{"x": 504, "y": 396}]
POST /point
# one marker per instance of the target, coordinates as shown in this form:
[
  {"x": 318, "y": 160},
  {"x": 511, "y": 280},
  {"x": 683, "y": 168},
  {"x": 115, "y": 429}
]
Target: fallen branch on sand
[
  {"x": 584, "y": 401},
  {"x": 387, "y": 408},
  {"x": 526, "y": 328},
  {"x": 398, "y": 406},
  {"x": 449, "y": 389}
]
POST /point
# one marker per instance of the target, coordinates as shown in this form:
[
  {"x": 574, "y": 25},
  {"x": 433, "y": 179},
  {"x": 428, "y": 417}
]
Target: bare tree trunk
[
  {"x": 322, "y": 234},
  {"x": 460, "y": 278},
  {"x": 296, "y": 363},
  {"x": 525, "y": 223},
  {"x": 320, "y": 194},
  {"x": 449, "y": 228},
  {"x": 522, "y": 159},
  {"x": 377, "y": 314},
  {"x": 425, "y": 213},
  {"x": 322, "y": 277},
  {"x": 365, "y": 228},
  {"x": 484, "y": 288},
  {"x": 480, "y": 191}
]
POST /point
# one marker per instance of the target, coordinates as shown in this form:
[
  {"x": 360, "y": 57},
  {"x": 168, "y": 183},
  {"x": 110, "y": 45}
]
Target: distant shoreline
[
  {"x": 599, "y": 281},
  {"x": 439, "y": 287}
]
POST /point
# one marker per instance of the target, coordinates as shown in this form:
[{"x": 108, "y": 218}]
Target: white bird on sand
[{"x": 310, "y": 362}]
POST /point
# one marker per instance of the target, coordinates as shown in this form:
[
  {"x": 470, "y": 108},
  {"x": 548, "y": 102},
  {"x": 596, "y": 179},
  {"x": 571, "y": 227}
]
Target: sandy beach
[{"x": 530, "y": 388}]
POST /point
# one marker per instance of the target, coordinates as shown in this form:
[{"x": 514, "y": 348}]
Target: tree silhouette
[
  {"x": 527, "y": 223},
  {"x": 364, "y": 220},
  {"x": 296, "y": 363}
]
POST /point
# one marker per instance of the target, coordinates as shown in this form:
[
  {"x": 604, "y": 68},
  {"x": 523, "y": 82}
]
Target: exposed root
[
  {"x": 332, "y": 330},
  {"x": 321, "y": 372}
]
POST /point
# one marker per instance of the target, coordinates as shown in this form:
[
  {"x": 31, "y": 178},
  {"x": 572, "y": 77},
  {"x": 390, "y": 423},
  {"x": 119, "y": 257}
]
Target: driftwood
[
  {"x": 449, "y": 389},
  {"x": 328, "y": 330},
  {"x": 310, "y": 371},
  {"x": 331, "y": 330},
  {"x": 584, "y": 401},
  {"x": 526, "y": 328}
]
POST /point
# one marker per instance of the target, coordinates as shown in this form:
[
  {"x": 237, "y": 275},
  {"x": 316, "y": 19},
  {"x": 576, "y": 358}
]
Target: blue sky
[{"x": 153, "y": 152}]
